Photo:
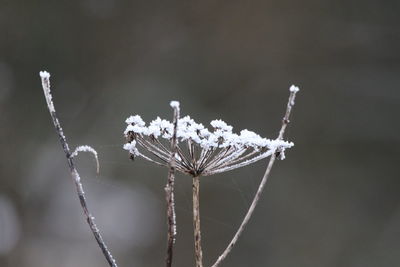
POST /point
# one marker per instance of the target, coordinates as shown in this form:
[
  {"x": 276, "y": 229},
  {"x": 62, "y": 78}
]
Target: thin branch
[
  {"x": 198, "y": 254},
  {"x": 45, "y": 76},
  {"x": 285, "y": 122},
  {"x": 169, "y": 189}
]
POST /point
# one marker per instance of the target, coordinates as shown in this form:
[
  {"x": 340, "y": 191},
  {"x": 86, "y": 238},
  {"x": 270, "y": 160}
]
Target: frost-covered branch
[
  {"x": 45, "y": 76},
  {"x": 169, "y": 188},
  {"x": 279, "y": 152}
]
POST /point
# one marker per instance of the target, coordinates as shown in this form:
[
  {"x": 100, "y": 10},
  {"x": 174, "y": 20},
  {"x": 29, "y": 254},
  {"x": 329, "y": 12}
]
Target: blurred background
[{"x": 333, "y": 202}]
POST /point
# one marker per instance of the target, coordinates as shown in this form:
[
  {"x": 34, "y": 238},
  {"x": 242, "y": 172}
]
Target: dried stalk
[
  {"x": 169, "y": 189},
  {"x": 198, "y": 254},
  {"x": 285, "y": 122},
  {"x": 45, "y": 76}
]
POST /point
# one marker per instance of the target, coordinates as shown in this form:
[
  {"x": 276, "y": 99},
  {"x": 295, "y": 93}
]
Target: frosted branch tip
[
  {"x": 294, "y": 89},
  {"x": 174, "y": 104},
  {"x": 44, "y": 74}
]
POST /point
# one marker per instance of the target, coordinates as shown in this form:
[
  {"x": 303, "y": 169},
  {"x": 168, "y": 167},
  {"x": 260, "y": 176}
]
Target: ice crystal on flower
[
  {"x": 200, "y": 151},
  {"x": 135, "y": 120}
]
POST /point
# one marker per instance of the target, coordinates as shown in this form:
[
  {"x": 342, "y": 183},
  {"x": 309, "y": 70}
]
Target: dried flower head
[{"x": 199, "y": 150}]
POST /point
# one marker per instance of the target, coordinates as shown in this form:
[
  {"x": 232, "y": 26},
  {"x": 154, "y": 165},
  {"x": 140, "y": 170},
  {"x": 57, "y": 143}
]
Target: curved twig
[
  {"x": 45, "y": 76},
  {"x": 89, "y": 149}
]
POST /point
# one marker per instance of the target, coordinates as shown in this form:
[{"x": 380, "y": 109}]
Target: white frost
[
  {"x": 135, "y": 120},
  {"x": 294, "y": 89},
  {"x": 210, "y": 151},
  {"x": 174, "y": 104},
  {"x": 220, "y": 124},
  {"x": 44, "y": 74},
  {"x": 131, "y": 147},
  {"x": 188, "y": 129},
  {"x": 89, "y": 149}
]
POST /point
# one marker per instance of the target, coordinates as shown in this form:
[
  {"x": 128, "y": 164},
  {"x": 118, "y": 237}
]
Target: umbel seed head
[{"x": 200, "y": 151}]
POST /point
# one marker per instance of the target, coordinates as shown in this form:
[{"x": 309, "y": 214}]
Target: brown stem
[
  {"x": 198, "y": 254},
  {"x": 171, "y": 222},
  {"x": 169, "y": 192},
  {"x": 74, "y": 173},
  {"x": 285, "y": 122}
]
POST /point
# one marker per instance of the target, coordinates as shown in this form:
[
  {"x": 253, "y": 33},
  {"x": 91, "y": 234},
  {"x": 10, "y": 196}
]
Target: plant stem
[
  {"x": 169, "y": 192},
  {"x": 74, "y": 173},
  {"x": 285, "y": 122},
  {"x": 198, "y": 254}
]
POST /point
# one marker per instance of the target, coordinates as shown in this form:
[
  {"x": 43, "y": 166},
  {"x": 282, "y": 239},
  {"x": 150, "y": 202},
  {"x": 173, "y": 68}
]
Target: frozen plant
[
  {"x": 190, "y": 148},
  {"x": 198, "y": 151}
]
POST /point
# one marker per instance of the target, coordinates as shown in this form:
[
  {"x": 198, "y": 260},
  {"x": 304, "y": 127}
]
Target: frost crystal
[
  {"x": 45, "y": 76},
  {"x": 87, "y": 149},
  {"x": 294, "y": 89},
  {"x": 174, "y": 104},
  {"x": 200, "y": 151}
]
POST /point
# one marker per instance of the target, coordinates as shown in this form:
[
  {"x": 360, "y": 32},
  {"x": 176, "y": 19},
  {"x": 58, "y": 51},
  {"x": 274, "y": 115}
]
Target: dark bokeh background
[{"x": 333, "y": 202}]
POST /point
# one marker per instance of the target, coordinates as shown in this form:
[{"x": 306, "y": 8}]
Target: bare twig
[
  {"x": 285, "y": 122},
  {"x": 169, "y": 189},
  {"x": 198, "y": 254},
  {"x": 45, "y": 76}
]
